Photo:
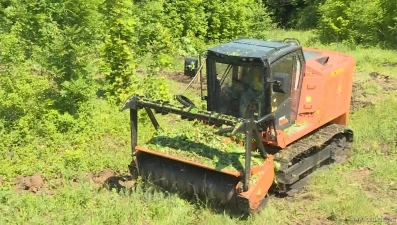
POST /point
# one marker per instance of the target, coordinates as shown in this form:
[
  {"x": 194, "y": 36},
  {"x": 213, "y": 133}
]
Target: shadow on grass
[
  {"x": 189, "y": 150},
  {"x": 120, "y": 183}
]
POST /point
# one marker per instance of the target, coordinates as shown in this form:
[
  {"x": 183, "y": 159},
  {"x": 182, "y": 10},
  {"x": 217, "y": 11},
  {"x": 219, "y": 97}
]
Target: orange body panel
[
  {"x": 325, "y": 96},
  {"x": 265, "y": 178}
]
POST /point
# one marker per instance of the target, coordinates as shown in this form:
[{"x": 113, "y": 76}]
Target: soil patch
[
  {"x": 181, "y": 78},
  {"x": 177, "y": 76},
  {"x": 359, "y": 98},
  {"x": 36, "y": 184},
  {"x": 363, "y": 96},
  {"x": 372, "y": 187},
  {"x": 107, "y": 178},
  {"x": 385, "y": 81},
  {"x": 103, "y": 176},
  {"x": 110, "y": 179},
  {"x": 32, "y": 183},
  {"x": 386, "y": 148}
]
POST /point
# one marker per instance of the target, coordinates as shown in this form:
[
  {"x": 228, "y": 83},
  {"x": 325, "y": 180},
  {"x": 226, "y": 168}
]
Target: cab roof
[{"x": 253, "y": 48}]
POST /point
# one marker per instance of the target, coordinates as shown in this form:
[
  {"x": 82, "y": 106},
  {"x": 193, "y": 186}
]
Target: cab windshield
[{"x": 240, "y": 89}]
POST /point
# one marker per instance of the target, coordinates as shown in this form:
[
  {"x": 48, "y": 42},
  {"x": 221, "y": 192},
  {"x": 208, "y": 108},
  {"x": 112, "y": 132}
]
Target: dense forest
[{"x": 57, "y": 58}]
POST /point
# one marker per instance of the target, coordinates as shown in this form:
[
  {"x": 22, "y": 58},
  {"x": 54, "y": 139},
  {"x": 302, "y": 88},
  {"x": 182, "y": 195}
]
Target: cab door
[{"x": 286, "y": 75}]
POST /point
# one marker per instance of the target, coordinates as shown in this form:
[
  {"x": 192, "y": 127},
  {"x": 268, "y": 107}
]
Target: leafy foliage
[
  {"x": 363, "y": 22},
  {"x": 305, "y": 14},
  {"x": 118, "y": 53},
  {"x": 388, "y": 25},
  {"x": 73, "y": 47},
  {"x": 167, "y": 27},
  {"x": 281, "y": 10},
  {"x": 199, "y": 143},
  {"x": 61, "y": 38},
  {"x": 235, "y": 19},
  {"x": 339, "y": 21}
]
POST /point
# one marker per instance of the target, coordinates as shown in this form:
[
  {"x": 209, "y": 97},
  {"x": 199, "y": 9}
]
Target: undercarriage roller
[{"x": 190, "y": 181}]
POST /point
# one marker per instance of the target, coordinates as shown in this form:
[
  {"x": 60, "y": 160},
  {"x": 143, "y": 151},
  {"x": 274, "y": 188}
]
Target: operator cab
[{"x": 251, "y": 78}]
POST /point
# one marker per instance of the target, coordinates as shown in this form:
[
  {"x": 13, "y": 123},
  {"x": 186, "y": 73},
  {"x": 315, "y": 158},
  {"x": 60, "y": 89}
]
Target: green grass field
[{"x": 69, "y": 190}]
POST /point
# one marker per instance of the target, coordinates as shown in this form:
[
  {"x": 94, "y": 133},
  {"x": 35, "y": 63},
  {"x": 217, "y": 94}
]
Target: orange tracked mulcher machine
[{"x": 293, "y": 108}]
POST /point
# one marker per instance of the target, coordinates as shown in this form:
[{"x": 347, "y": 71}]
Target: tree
[{"x": 119, "y": 38}]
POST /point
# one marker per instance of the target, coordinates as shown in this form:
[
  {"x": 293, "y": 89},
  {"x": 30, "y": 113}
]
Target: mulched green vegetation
[{"x": 199, "y": 143}]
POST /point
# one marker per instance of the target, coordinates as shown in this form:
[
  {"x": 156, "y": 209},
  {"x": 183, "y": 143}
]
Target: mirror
[
  {"x": 191, "y": 67},
  {"x": 281, "y": 83}
]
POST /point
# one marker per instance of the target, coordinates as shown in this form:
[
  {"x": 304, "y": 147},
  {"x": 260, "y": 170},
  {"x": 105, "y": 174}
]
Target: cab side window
[
  {"x": 296, "y": 84},
  {"x": 284, "y": 65}
]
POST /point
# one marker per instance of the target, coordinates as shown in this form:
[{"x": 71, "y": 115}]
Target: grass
[{"x": 365, "y": 187}]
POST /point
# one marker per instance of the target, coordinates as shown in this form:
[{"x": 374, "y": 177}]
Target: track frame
[{"x": 327, "y": 145}]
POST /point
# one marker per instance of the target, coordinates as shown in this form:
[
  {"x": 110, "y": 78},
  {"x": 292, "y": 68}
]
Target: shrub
[
  {"x": 388, "y": 25},
  {"x": 355, "y": 21}
]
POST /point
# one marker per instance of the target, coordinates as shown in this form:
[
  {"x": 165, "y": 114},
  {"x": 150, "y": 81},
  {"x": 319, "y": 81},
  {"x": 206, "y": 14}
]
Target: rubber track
[
  {"x": 309, "y": 144},
  {"x": 313, "y": 141}
]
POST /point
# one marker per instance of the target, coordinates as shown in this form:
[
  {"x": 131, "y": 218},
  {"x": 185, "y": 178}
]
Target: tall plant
[{"x": 118, "y": 53}]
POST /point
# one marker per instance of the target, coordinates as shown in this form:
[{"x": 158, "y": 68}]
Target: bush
[
  {"x": 363, "y": 22},
  {"x": 56, "y": 56},
  {"x": 388, "y": 25},
  {"x": 167, "y": 27},
  {"x": 305, "y": 15},
  {"x": 354, "y": 21},
  {"x": 235, "y": 19}
]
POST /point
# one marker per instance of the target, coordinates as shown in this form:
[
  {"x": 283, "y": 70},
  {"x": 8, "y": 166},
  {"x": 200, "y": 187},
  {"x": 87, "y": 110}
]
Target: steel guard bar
[
  {"x": 164, "y": 107},
  {"x": 249, "y": 127}
]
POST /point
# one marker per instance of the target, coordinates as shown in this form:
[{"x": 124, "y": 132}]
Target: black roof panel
[
  {"x": 262, "y": 43},
  {"x": 253, "y": 48}
]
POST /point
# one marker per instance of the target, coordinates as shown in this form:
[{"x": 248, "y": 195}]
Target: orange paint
[
  {"x": 258, "y": 191},
  {"x": 326, "y": 91}
]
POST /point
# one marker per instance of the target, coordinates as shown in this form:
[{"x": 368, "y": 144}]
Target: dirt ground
[
  {"x": 366, "y": 93},
  {"x": 106, "y": 178},
  {"x": 181, "y": 78},
  {"x": 32, "y": 183}
]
